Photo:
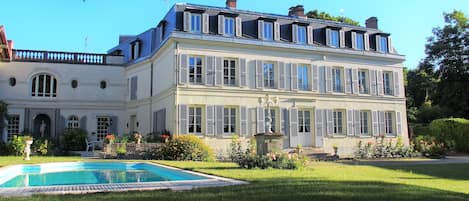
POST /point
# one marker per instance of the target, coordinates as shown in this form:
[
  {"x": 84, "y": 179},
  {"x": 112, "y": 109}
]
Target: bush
[
  {"x": 3, "y": 148},
  {"x": 452, "y": 132},
  {"x": 185, "y": 147},
  {"x": 41, "y": 146},
  {"x": 382, "y": 149},
  {"x": 429, "y": 146},
  {"x": 74, "y": 139},
  {"x": 16, "y": 146}
]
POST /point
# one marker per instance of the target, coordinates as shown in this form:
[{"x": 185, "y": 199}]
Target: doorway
[{"x": 42, "y": 126}]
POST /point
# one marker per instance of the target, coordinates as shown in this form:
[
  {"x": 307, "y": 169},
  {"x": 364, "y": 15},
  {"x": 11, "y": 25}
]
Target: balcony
[{"x": 66, "y": 57}]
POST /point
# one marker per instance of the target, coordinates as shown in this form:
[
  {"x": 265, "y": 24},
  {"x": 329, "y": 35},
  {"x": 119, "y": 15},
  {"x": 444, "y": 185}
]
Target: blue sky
[{"x": 63, "y": 25}]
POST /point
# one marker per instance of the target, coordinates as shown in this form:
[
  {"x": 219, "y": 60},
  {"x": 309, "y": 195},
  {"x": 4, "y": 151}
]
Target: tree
[
  {"x": 448, "y": 56},
  {"x": 326, "y": 16}
]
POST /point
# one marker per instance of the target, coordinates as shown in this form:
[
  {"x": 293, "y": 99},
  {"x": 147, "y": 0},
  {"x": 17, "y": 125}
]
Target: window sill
[{"x": 338, "y": 136}]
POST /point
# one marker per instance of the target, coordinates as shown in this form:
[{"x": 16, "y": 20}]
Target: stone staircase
[{"x": 318, "y": 154}]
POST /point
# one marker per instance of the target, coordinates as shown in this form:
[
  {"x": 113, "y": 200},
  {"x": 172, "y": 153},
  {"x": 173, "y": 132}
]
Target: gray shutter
[
  {"x": 328, "y": 35},
  {"x": 282, "y": 74},
  {"x": 187, "y": 21},
  {"x": 354, "y": 40},
  {"x": 260, "y": 120},
  {"x": 390, "y": 49},
  {"x": 133, "y": 88},
  {"x": 239, "y": 27},
  {"x": 276, "y": 31},
  {"x": 243, "y": 76},
  {"x": 330, "y": 123},
  {"x": 328, "y": 79},
  {"x": 260, "y": 29},
  {"x": 83, "y": 123},
  {"x": 348, "y": 80},
  {"x": 221, "y": 24},
  {"x": 61, "y": 123},
  {"x": 378, "y": 44},
  {"x": 294, "y": 32},
  {"x": 284, "y": 121},
  {"x": 372, "y": 74},
  {"x": 355, "y": 81},
  {"x": 155, "y": 122},
  {"x": 210, "y": 120},
  {"x": 243, "y": 116},
  {"x": 315, "y": 76},
  {"x": 396, "y": 83},
  {"x": 375, "y": 123},
  {"x": 320, "y": 127},
  {"x": 350, "y": 122},
  {"x": 219, "y": 120},
  {"x": 342, "y": 38},
  {"x": 114, "y": 123},
  {"x": 210, "y": 70},
  {"x": 379, "y": 82},
  {"x": 310, "y": 35},
  {"x": 183, "y": 74},
  {"x": 183, "y": 119},
  {"x": 398, "y": 123},
  {"x": 218, "y": 71},
  {"x": 356, "y": 122},
  {"x": 367, "y": 41},
  {"x": 205, "y": 23},
  {"x": 293, "y": 126},
  {"x": 294, "y": 76},
  {"x": 259, "y": 74},
  {"x": 381, "y": 122}
]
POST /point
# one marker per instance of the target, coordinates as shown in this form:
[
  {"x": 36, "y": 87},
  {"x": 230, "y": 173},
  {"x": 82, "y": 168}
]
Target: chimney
[
  {"x": 296, "y": 11},
  {"x": 231, "y": 4},
  {"x": 372, "y": 23}
]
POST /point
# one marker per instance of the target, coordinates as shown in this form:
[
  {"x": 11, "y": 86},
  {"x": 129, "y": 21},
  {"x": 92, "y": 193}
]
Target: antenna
[{"x": 86, "y": 43}]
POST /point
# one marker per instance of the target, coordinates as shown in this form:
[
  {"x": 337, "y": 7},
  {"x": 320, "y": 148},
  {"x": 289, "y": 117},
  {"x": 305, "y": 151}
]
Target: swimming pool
[{"x": 87, "y": 177}]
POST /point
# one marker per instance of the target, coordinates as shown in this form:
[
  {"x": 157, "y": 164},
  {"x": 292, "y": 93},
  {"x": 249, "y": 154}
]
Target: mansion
[{"x": 202, "y": 71}]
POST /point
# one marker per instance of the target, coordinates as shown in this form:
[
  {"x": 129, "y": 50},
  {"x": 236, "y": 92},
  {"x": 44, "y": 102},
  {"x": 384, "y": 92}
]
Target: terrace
[{"x": 65, "y": 57}]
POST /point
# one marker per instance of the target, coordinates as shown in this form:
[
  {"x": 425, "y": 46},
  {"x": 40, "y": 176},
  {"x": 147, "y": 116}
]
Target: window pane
[
  {"x": 359, "y": 41},
  {"x": 334, "y": 38}
]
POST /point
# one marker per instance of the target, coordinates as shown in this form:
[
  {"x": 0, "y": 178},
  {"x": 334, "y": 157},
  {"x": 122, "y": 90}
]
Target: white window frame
[
  {"x": 13, "y": 127},
  {"x": 387, "y": 83},
  {"x": 196, "y": 18},
  {"x": 229, "y": 79},
  {"x": 383, "y": 44},
  {"x": 268, "y": 34},
  {"x": 357, "y": 36},
  {"x": 363, "y": 79},
  {"x": 302, "y": 35},
  {"x": 196, "y": 77},
  {"x": 268, "y": 69},
  {"x": 365, "y": 126},
  {"x": 338, "y": 122},
  {"x": 229, "y": 120},
  {"x": 35, "y": 88},
  {"x": 338, "y": 87},
  {"x": 304, "y": 121},
  {"x": 389, "y": 123},
  {"x": 230, "y": 26},
  {"x": 331, "y": 38},
  {"x": 73, "y": 122},
  {"x": 195, "y": 120},
  {"x": 303, "y": 71}
]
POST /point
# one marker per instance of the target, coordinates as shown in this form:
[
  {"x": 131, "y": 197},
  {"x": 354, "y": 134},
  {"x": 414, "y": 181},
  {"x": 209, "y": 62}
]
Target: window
[
  {"x": 362, "y": 81},
  {"x": 303, "y": 76},
  {"x": 229, "y": 72},
  {"x": 195, "y": 70},
  {"x": 102, "y": 127},
  {"x": 269, "y": 75},
  {"x": 133, "y": 87},
  {"x": 334, "y": 38},
  {"x": 135, "y": 51},
  {"x": 388, "y": 121},
  {"x": 73, "y": 122},
  {"x": 383, "y": 44},
  {"x": 229, "y": 26},
  {"x": 274, "y": 120},
  {"x": 337, "y": 117},
  {"x": 196, "y": 23},
  {"x": 387, "y": 77},
  {"x": 195, "y": 120},
  {"x": 44, "y": 85},
  {"x": 229, "y": 116},
  {"x": 268, "y": 31},
  {"x": 301, "y": 35},
  {"x": 103, "y": 84},
  {"x": 337, "y": 76},
  {"x": 13, "y": 126},
  {"x": 304, "y": 121},
  {"x": 359, "y": 41},
  {"x": 12, "y": 81},
  {"x": 74, "y": 84},
  {"x": 364, "y": 123}
]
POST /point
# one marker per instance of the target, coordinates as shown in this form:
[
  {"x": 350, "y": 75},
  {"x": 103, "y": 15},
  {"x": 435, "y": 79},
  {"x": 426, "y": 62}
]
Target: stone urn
[{"x": 28, "y": 141}]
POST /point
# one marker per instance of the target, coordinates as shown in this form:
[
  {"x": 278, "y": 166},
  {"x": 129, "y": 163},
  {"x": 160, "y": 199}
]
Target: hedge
[{"x": 453, "y": 132}]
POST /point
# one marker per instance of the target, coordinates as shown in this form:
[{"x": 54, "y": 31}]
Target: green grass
[
  {"x": 10, "y": 160},
  {"x": 320, "y": 181}
]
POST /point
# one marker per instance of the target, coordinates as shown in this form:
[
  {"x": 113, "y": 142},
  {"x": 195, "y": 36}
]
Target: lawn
[{"x": 319, "y": 181}]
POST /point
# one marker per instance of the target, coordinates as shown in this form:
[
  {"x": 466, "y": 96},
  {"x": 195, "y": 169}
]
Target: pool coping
[{"x": 212, "y": 181}]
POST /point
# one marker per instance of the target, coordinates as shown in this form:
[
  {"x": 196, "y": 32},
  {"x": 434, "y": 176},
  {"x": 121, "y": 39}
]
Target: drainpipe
[
  {"x": 176, "y": 59},
  {"x": 151, "y": 97}
]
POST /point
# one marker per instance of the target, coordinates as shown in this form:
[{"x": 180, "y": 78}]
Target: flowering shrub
[
  {"x": 110, "y": 138},
  {"x": 381, "y": 149},
  {"x": 429, "y": 146},
  {"x": 185, "y": 147}
]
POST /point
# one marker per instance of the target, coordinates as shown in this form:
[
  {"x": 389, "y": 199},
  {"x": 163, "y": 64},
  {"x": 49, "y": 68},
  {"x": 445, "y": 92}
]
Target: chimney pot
[
  {"x": 372, "y": 23},
  {"x": 231, "y": 4},
  {"x": 296, "y": 11}
]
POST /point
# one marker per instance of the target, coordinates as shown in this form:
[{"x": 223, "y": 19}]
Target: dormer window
[
  {"x": 229, "y": 26},
  {"x": 359, "y": 41},
  {"x": 301, "y": 35},
  {"x": 383, "y": 44},
  {"x": 333, "y": 38},
  {"x": 135, "y": 50},
  {"x": 268, "y": 31},
  {"x": 196, "y": 23}
]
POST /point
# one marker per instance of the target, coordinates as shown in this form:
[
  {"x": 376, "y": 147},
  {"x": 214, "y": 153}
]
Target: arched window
[
  {"x": 44, "y": 85},
  {"x": 73, "y": 122}
]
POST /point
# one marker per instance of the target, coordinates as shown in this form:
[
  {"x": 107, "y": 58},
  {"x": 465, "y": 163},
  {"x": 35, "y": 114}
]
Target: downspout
[
  {"x": 176, "y": 62},
  {"x": 151, "y": 98}
]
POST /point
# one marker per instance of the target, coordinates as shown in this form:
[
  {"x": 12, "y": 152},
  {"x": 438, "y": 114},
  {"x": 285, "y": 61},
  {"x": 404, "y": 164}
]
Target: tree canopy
[{"x": 326, "y": 16}]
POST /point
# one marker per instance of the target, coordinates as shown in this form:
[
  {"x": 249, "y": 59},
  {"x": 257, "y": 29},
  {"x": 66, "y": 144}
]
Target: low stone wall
[{"x": 133, "y": 150}]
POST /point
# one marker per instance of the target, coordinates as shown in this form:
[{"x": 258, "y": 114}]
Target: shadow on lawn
[
  {"x": 283, "y": 189},
  {"x": 446, "y": 171}
]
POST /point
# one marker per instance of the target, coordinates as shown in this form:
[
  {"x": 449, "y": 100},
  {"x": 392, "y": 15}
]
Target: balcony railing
[{"x": 59, "y": 57}]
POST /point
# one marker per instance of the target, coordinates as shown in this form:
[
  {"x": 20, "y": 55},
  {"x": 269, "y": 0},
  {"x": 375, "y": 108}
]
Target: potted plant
[
  {"x": 165, "y": 135},
  {"x": 110, "y": 138},
  {"x": 28, "y": 141}
]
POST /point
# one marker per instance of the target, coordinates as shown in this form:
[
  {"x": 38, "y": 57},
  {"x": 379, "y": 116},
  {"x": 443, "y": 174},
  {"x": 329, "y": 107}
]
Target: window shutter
[
  {"x": 243, "y": 116},
  {"x": 294, "y": 76},
  {"x": 375, "y": 123},
  {"x": 328, "y": 79},
  {"x": 183, "y": 119},
  {"x": 398, "y": 124},
  {"x": 61, "y": 122},
  {"x": 356, "y": 122},
  {"x": 294, "y": 32},
  {"x": 367, "y": 41},
  {"x": 276, "y": 31},
  {"x": 210, "y": 70},
  {"x": 390, "y": 48},
  {"x": 260, "y": 29},
  {"x": 293, "y": 126},
  {"x": 259, "y": 74},
  {"x": 243, "y": 82},
  {"x": 284, "y": 121},
  {"x": 114, "y": 123},
  {"x": 396, "y": 83},
  {"x": 348, "y": 80},
  {"x": 342, "y": 38},
  {"x": 381, "y": 122},
  {"x": 187, "y": 21},
  {"x": 355, "y": 81},
  {"x": 315, "y": 84},
  {"x": 330, "y": 123},
  {"x": 239, "y": 27},
  {"x": 372, "y": 74},
  {"x": 320, "y": 128},
  {"x": 310, "y": 35},
  {"x": 83, "y": 123},
  {"x": 328, "y": 35},
  {"x": 133, "y": 88},
  {"x": 183, "y": 75},
  {"x": 221, "y": 24},
  {"x": 350, "y": 122},
  {"x": 354, "y": 40},
  {"x": 218, "y": 71},
  {"x": 219, "y": 120},
  {"x": 281, "y": 72},
  {"x": 206, "y": 23},
  {"x": 210, "y": 120},
  {"x": 322, "y": 79},
  {"x": 260, "y": 120},
  {"x": 379, "y": 80},
  {"x": 378, "y": 44}
]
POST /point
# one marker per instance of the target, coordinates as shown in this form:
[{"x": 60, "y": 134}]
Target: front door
[
  {"x": 305, "y": 137},
  {"x": 42, "y": 126}
]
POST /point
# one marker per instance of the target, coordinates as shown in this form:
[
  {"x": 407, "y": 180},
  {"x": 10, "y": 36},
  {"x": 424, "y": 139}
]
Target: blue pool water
[{"x": 53, "y": 174}]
